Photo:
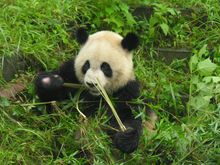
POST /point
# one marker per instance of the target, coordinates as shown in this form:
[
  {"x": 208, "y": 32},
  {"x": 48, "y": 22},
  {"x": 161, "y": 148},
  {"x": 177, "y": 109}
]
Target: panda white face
[{"x": 103, "y": 58}]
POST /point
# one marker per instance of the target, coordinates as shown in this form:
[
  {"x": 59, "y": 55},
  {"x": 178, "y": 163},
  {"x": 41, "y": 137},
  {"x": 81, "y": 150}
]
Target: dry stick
[
  {"x": 82, "y": 114},
  {"x": 107, "y": 99}
]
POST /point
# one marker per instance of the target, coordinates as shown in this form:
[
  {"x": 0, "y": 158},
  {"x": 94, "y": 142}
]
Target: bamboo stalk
[
  {"x": 71, "y": 85},
  {"x": 107, "y": 99},
  {"x": 105, "y": 96}
]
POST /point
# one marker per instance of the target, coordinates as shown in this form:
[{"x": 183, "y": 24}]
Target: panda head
[{"x": 105, "y": 56}]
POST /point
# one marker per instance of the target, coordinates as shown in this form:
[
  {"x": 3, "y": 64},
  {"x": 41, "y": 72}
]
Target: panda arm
[
  {"x": 127, "y": 141},
  {"x": 49, "y": 85},
  {"x": 130, "y": 91}
]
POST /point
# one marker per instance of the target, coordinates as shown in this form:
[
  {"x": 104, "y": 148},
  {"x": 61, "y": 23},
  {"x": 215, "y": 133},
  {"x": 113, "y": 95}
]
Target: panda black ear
[
  {"x": 81, "y": 35},
  {"x": 130, "y": 41}
]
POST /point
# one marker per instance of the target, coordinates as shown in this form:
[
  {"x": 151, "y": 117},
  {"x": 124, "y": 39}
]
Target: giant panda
[{"x": 106, "y": 56}]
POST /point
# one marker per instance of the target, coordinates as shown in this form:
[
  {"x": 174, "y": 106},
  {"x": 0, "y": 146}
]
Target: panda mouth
[
  {"x": 92, "y": 87},
  {"x": 94, "y": 92}
]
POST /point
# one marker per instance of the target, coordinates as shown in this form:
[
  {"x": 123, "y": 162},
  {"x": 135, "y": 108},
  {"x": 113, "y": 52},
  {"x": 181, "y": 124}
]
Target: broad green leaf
[
  {"x": 109, "y": 10},
  {"x": 153, "y": 21},
  {"x": 205, "y": 89},
  {"x": 217, "y": 89},
  {"x": 124, "y": 7},
  {"x": 117, "y": 21},
  {"x": 151, "y": 32},
  {"x": 216, "y": 79},
  {"x": 200, "y": 102},
  {"x": 210, "y": 79},
  {"x": 203, "y": 50},
  {"x": 193, "y": 62},
  {"x": 171, "y": 11},
  {"x": 195, "y": 79},
  {"x": 206, "y": 67},
  {"x": 130, "y": 19},
  {"x": 165, "y": 28}
]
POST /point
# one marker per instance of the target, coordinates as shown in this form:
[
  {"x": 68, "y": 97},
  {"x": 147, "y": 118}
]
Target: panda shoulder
[{"x": 130, "y": 91}]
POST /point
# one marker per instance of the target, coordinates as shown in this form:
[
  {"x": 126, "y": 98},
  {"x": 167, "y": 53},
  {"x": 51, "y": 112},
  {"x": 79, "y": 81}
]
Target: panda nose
[{"x": 91, "y": 85}]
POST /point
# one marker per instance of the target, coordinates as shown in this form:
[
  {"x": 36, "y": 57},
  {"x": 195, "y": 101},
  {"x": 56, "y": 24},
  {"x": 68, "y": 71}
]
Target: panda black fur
[{"x": 105, "y": 56}]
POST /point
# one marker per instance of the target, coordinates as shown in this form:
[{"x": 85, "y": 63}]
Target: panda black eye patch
[
  {"x": 85, "y": 67},
  {"x": 107, "y": 70}
]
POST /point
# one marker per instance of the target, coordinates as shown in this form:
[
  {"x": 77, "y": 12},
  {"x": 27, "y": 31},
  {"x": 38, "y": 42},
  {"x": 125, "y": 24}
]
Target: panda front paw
[
  {"x": 127, "y": 141},
  {"x": 49, "y": 81}
]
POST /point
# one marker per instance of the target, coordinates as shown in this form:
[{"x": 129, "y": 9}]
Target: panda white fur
[
  {"x": 105, "y": 56},
  {"x": 103, "y": 53}
]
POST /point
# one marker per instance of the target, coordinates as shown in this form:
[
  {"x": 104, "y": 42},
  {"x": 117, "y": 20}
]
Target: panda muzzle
[{"x": 91, "y": 85}]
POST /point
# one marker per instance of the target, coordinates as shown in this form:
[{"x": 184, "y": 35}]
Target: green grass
[{"x": 185, "y": 93}]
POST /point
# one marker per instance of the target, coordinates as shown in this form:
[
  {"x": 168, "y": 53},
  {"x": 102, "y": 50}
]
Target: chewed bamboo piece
[{"x": 107, "y": 99}]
